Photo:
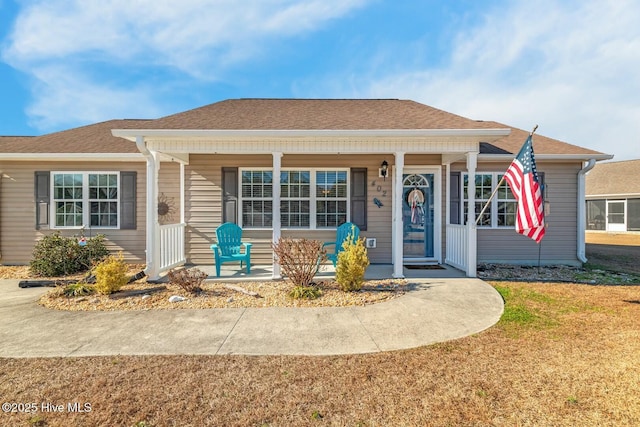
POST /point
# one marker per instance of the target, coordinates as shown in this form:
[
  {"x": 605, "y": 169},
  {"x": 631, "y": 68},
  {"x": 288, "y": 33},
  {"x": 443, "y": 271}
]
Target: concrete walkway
[{"x": 437, "y": 310}]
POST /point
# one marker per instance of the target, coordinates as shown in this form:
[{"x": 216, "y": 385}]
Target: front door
[
  {"x": 418, "y": 216},
  {"x": 616, "y": 220}
]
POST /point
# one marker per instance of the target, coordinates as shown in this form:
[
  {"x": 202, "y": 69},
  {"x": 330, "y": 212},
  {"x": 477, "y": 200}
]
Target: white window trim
[
  {"x": 312, "y": 195},
  {"x": 493, "y": 207},
  {"x": 86, "y": 211},
  {"x": 241, "y": 199}
]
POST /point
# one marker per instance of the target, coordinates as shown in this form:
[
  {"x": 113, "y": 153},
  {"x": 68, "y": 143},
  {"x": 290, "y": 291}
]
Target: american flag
[{"x": 522, "y": 177}]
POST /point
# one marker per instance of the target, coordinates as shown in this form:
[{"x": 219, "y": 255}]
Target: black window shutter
[
  {"x": 359, "y": 197},
  {"x": 454, "y": 197},
  {"x": 128, "y": 200},
  {"x": 41, "y": 191},
  {"x": 230, "y": 195}
]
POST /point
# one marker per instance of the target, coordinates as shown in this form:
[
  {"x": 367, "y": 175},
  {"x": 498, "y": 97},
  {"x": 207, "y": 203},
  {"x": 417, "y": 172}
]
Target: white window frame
[
  {"x": 298, "y": 198},
  {"x": 313, "y": 199},
  {"x": 242, "y": 199},
  {"x": 492, "y": 210},
  {"x": 86, "y": 201},
  {"x": 312, "y": 195}
]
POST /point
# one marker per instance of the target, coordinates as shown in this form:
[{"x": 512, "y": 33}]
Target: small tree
[
  {"x": 299, "y": 259},
  {"x": 351, "y": 265}
]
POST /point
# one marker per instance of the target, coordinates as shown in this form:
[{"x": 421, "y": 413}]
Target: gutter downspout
[
  {"x": 152, "y": 269},
  {"x": 582, "y": 216}
]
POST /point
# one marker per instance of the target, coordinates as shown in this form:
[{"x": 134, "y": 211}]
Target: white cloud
[
  {"x": 55, "y": 39},
  {"x": 181, "y": 35},
  {"x": 571, "y": 67},
  {"x": 61, "y": 92}
]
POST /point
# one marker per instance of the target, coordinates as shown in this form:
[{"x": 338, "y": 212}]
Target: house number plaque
[{"x": 379, "y": 188}]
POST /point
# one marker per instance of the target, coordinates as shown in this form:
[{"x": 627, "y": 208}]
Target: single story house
[
  {"x": 613, "y": 197},
  {"x": 412, "y": 177}
]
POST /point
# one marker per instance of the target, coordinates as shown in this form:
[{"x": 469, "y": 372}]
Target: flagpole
[{"x": 495, "y": 190}]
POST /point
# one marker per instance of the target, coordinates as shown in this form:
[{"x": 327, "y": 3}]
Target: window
[
  {"x": 596, "y": 214},
  {"x": 295, "y": 198},
  {"x": 257, "y": 198},
  {"x": 507, "y": 205},
  {"x": 308, "y": 198},
  {"x": 85, "y": 199},
  {"x": 331, "y": 198},
  {"x": 633, "y": 214},
  {"x": 501, "y": 212}
]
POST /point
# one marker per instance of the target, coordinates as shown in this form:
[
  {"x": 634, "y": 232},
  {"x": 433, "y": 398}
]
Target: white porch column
[
  {"x": 447, "y": 194},
  {"x": 182, "y": 193},
  {"x": 398, "y": 254},
  {"x": 153, "y": 228},
  {"x": 472, "y": 163},
  {"x": 277, "y": 162}
]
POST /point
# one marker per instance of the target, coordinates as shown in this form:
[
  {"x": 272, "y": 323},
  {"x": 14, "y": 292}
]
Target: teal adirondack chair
[
  {"x": 342, "y": 233},
  {"x": 228, "y": 247}
]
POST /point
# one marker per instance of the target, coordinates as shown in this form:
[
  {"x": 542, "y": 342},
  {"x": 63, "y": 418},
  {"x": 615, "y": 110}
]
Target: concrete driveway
[{"x": 437, "y": 310}]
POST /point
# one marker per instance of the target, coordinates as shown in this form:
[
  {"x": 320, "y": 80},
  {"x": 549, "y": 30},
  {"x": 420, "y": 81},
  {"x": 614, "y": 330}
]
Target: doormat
[{"x": 424, "y": 267}]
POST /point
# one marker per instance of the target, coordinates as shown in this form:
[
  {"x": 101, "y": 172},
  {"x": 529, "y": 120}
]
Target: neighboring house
[
  {"x": 296, "y": 168},
  {"x": 613, "y": 197}
]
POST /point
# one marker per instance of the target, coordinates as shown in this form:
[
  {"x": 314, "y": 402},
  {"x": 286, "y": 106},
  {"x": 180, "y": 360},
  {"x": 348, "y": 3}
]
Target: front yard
[{"x": 563, "y": 354}]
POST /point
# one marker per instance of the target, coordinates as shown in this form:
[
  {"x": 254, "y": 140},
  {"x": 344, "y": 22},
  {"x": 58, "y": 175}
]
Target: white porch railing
[
  {"x": 457, "y": 246},
  {"x": 172, "y": 246}
]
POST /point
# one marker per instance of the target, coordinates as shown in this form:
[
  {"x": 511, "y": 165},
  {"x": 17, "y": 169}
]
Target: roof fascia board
[
  {"x": 85, "y": 157},
  {"x": 613, "y": 196},
  {"x": 548, "y": 157},
  {"x": 131, "y": 134}
]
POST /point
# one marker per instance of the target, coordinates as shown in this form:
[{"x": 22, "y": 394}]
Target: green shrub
[
  {"x": 351, "y": 265},
  {"x": 56, "y": 255},
  {"x": 78, "y": 289},
  {"x": 305, "y": 292},
  {"x": 111, "y": 274}
]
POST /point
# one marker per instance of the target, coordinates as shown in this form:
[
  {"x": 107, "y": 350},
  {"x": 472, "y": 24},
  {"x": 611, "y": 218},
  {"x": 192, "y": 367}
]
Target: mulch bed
[{"x": 141, "y": 295}]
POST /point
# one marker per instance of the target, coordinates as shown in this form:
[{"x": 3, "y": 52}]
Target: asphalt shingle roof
[
  {"x": 614, "y": 178},
  {"x": 95, "y": 138},
  {"x": 285, "y": 114},
  {"x": 314, "y": 114}
]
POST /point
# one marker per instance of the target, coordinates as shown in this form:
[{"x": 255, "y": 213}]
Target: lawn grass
[{"x": 562, "y": 355}]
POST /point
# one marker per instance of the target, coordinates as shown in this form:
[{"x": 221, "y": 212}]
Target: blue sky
[{"x": 572, "y": 67}]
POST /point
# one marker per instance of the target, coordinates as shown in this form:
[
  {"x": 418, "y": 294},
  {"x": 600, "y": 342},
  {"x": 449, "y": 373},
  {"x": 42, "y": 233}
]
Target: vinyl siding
[
  {"x": 17, "y": 226},
  {"x": 378, "y": 219},
  {"x": 559, "y": 246},
  {"x": 203, "y": 210},
  {"x": 204, "y": 203},
  {"x": 169, "y": 190}
]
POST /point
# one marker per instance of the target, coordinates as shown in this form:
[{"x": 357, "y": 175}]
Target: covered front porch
[{"x": 408, "y": 153}]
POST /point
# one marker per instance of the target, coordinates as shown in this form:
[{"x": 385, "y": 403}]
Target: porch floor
[{"x": 233, "y": 273}]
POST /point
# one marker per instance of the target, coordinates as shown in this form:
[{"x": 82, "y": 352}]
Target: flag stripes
[{"x": 522, "y": 178}]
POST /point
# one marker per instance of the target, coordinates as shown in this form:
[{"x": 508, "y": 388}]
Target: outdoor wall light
[{"x": 383, "y": 169}]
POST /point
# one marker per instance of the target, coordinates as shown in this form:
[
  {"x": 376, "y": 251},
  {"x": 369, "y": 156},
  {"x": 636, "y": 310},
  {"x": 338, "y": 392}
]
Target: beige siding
[
  {"x": 204, "y": 203},
  {"x": 169, "y": 191},
  {"x": 559, "y": 245},
  {"x": 203, "y": 212},
  {"x": 17, "y": 217},
  {"x": 378, "y": 219}
]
